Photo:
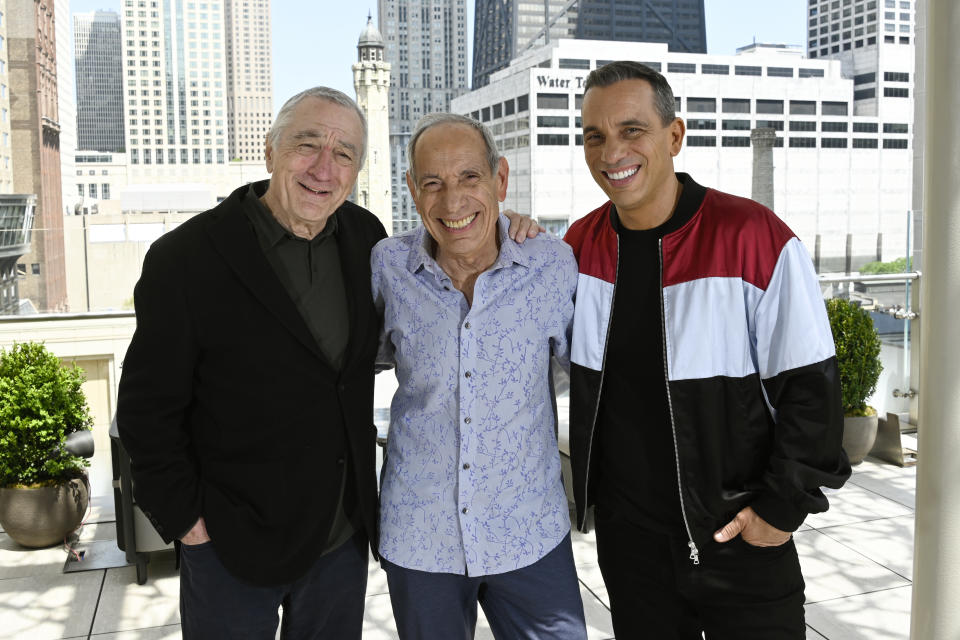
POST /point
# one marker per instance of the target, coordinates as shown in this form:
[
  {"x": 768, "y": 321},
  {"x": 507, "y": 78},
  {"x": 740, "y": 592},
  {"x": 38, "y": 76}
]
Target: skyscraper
[
  {"x": 175, "y": 82},
  {"x": 6, "y": 166},
  {"x": 875, "y": 47},
  {"x": 35, "y": 141},
  {"x": 426, "y": 46},
  {"x": 503, "y": 29},
  {"x": 249, "y": 77},
  {"x": 99, "y": 81}
]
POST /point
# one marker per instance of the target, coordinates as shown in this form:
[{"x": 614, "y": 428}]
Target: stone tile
[
  {"x": 813, "y": 635},
  {"x": 168, "y": 632},
  {"x": 101, "y": 509},
  {"x": 126, "y": 605},
  {"x": 882, "y": 615},
  {"x": 832, "y": 570},
  {"x": 378, "y": 621},
  {"x": 19, "y": 562},
  {"x": 592, "y": 579},
  {"x": 46, "y": 607},
  {"x": 888, "y": 542},
  {"x": 853, "y": 504},
  {"x": 597, "y": 614},
  {"x": 887, "y": 480},
  {"x": 376, "y": 579}
]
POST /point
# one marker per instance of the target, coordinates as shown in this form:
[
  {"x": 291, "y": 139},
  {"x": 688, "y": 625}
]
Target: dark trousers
[
  {"x": 737, "y": 592},
  {"x": 538, "y": 602},
  {"x": 327, "y": 602}
]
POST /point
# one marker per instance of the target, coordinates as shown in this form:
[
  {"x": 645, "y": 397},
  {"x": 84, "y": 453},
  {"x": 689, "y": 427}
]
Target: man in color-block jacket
[{"x": 705, "y": 401}]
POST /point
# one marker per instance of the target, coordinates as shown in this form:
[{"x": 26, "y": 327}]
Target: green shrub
[
  {"x": 41, "y": 402},
  {"x": 858, "y": 354},
  {"x": 895, "y": 266}
]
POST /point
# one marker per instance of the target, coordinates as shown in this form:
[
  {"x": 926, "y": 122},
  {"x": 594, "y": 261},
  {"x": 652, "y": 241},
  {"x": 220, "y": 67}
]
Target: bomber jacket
[{"x": 752, "y": 381}]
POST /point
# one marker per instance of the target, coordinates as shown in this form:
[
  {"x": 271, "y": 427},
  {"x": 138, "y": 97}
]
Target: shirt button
[
  {"x": 466, "y": 465},
  {"x": 466, "y": 375},
  {"x": 466, "y": 326},
  {"x": 466, "y": 420},
  {"x": 464, "y": 510}
]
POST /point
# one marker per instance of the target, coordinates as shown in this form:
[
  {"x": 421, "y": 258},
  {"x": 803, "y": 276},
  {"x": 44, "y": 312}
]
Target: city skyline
[{"x": 297, "y": 64}]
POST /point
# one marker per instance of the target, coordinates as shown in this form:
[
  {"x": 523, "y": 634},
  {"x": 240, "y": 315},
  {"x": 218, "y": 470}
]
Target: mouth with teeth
[
  {"x": 319, "y": 192},
  {"x": 621, "y": 176},
  {"x": 457, "y": 225}
]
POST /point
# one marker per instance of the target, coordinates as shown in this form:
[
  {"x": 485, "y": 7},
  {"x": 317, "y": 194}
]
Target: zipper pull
[{"x": 694, "y": 552}]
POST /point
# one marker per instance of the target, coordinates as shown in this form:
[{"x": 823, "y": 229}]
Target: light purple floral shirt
[{"x": 472, "y": 480}]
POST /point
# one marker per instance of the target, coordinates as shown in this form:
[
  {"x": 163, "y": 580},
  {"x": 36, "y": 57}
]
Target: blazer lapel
[{"x": 235, "y": 240}]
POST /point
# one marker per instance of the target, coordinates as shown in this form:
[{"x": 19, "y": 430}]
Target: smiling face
[
  {"x": 456, "y": 194},
  {"x": 630, "y": 151},
  {"x": 314, "y": 164}
]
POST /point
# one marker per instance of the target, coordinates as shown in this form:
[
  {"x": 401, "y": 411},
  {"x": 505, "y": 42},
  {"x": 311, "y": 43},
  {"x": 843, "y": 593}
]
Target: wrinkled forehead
[{"x": 317, "y": 118}]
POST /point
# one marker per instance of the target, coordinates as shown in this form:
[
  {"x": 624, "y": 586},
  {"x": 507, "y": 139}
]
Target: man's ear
[
  {"x": 268, "y": 154},
  {"x": 677, "y": 130},
  {"x": 503, "y": 172},
  {"x": 412, "y": 187}
]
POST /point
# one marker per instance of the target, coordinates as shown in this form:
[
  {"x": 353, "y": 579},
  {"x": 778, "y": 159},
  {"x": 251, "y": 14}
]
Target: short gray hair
[
  {"x": 614, "y": 72},
  {"x": 323, "y": 93},
  {"x": 435, "y": 119}
]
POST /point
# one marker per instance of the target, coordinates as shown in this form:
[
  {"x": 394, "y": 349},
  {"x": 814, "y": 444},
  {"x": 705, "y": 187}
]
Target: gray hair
[
  {"x": 434, "y": 119},
  {"x": 614, "y": 72},
  {"x": 323, "y": 93}
]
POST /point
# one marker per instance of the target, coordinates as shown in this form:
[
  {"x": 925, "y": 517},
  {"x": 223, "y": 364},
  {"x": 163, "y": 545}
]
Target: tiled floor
[{"x": 856, "y": 558}]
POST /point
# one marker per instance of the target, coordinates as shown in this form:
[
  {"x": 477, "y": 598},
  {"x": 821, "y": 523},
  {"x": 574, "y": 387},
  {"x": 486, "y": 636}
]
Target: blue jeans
[
  {"x": 538, "y": 602},
  {"x": 327, "y": 602}
]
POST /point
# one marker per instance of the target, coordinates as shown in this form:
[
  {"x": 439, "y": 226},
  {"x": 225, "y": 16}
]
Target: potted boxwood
[
  {"x": 858, "y": 358},
  {"x": 43, "y": 487}
]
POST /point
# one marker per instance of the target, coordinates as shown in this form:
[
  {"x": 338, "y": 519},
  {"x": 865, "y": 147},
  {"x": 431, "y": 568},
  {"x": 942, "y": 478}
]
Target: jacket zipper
[
  {"x": 603, "y": 369},
  {"x": 694, "y": 552}
]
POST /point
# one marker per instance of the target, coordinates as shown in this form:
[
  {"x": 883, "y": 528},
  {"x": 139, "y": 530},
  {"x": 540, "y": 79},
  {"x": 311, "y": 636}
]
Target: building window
[
  {"x": 553, "y": 101},
  {"x": 701, "y": 141},
  {"x": 553, "y": 121},
  {"x": 736, "y": 125},
  {"x": 896, "y": 92},
  {"x": 701, "y": 123},
  {"x": 745, "y": 70},
  {"x": 497, "y": 111},
  {"x": 865, "y": 78},
  {"x": 574, "y": 63},
  {"x": 578, "y": 101},
  {"x": 770, "y": 106},
  {"x": 777, "y": 125},
  {"x": 864, "y": 127},
  {"x": 780, "y": 72},
  {"x": 803, "y": 125},
  {"x": 93, "y": 190},
  {"x": 833, "y": 126},
  {"x": 80, "y": 189},
  {"x": 105, "y": 191},
  {"x": 833, "y": 108},
  {"x": 811, "y": 73},
  {"x": 803, "y": 107},
  {"x": 578, "y": 139},
  {"x": 833, "y": 143},
  {"x": 475, "y": 115},
  {"x": 865, "y": 94},
  {"x": 896, "y": 76},
  {"x": 864, "y": 143},
  {"x": 681, "y": 67},
  {"x": 653, "y": 65},
  {"x": 736, "y": 105},
  {"x": 715, "y": 69},
  {"x": 508, "y": 107},
  {"x": 895, "y": 144},
  {"x": 35, "y": 267},
  {"x": 702, "y": 105},
  {"x": 736, "y": 141},
  {"x": 555, "y": 139},
  {"x": 523, "y": 103},
  {"x": 803, "y": 142},
  {"x": 485, "y": 114},
  {"x": 894, "y": 127}
]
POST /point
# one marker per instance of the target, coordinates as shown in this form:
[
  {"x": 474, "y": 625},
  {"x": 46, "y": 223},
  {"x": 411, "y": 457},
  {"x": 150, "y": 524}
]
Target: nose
[
  {"x": 322, "y": 162},
  {"x": 452, "y": 198},
  {"x": 613, "y": 151}
]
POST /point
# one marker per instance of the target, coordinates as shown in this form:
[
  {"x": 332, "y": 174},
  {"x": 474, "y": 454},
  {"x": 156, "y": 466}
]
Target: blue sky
[{"x": 314, "y": 41}]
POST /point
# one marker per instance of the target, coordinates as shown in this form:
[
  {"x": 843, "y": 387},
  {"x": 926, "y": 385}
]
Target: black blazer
[{"x": 227, "y": 406}]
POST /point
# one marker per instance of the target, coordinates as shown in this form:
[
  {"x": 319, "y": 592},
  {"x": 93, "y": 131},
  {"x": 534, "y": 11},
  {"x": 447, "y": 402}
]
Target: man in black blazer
[{"x": 247, "y": 391}]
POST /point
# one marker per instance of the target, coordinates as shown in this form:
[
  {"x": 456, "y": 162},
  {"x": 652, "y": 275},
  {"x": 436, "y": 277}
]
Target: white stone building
[{"x": 841, "y": 181}]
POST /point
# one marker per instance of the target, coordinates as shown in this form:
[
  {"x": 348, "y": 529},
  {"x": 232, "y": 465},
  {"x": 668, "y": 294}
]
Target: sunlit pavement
[{"x": 857, "y": 561}]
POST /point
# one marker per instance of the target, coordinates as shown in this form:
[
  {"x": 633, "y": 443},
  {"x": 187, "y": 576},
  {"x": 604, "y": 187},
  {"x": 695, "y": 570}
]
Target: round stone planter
[
  {"x": 41, "y": 517},
  {"x": 859, "y": 434}
]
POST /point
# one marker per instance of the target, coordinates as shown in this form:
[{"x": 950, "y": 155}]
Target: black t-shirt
[{"x": 636, "y": 470}]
